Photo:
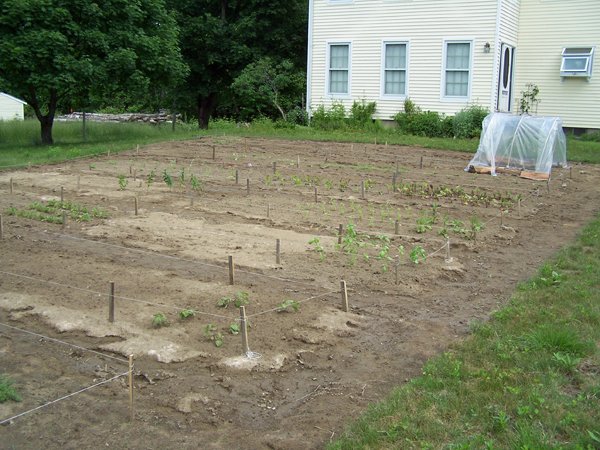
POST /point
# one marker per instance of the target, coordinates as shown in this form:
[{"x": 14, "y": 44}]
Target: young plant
[
  {"x": 7, "y": 391},
  {"x": 167, "y": 178},
  {"x": 316, "y": 243},
  {"x": 150, "y": 179},
  {"x": 195, "y": 183},
  {"x": 424, "y": 224},
  {"x": 187, "y": 313},
  {"x": 234, "y": 328},
  {"x": 476, "y": 227},
  {"x": 122, "y": 182},
  {"x": 287, "y": 304},
  {"x": 210, "y": 331},
  {"x": 241, "y": 298},
  {"x": 182, "y": 178},
  {"x": 159, "y": 320},
  {"x": 417, "y": 254}
]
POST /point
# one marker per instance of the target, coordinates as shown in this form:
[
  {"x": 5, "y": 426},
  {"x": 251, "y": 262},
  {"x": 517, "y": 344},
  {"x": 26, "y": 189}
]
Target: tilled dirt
[{"x": 312, "y": 370}]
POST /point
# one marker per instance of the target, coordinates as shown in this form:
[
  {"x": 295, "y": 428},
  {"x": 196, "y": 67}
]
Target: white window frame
[
  {"x": 340, "y": 95},
  {"x": 456, "y": 98},
  {"x": 384, "y": 45},
  {"x": 583, "y": 52}
]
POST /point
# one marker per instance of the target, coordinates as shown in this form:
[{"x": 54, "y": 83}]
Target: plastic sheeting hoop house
[{"x": 528, "y": 146}]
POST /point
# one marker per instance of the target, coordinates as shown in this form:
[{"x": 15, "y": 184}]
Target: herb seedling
[
  {"x": 187, "y": 313},
  {"x": 167, "y": 178},
  {"x": 122, "y": 182},
  {"x": 417, "y": 254},
  {"x": 210, "y": 331},
  {"x": 159, "y": 320},
  {"x": 287, "y": 304},
  {"x": 316, "y": 242}
]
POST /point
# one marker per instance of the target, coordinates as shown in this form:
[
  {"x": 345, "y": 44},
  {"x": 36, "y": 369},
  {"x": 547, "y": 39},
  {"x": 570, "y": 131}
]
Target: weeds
[
  {"x": 240, "y": 298},
  {"x": 159, "y": 320},
  {"x": 216, "y": 337},
  {"x": 287, "y": 304},
  {"x": 7, "y": 390}
]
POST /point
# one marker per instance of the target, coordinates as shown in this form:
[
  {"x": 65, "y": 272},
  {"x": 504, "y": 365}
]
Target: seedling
[
  {"x": 210, "y": 331},
  {"x": 7, "y": 391},
  {"x": 122, "y": 182},
  {"x": 234, "y": 328},
  {"x": 182, "y": 179},
  {"x": 159, "y": 320},
  {"x": 187, "y": 313},
  {"x": 417, "y": 254},
  {"x": 195, "y": 183},
  {"x": 167, "y": 178},
  {"x": 287, "y": 304},
  {"x": 239, "y": 299},
  {"x": 476, "y": 227},
  {"x": 316, "y": 242},
  {"x": 150, "y": 179},
  {"x": 424, "y": 224}
]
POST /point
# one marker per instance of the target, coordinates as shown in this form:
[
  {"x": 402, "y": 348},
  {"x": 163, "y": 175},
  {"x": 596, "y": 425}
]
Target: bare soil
[{"x": 313, "y": 370}]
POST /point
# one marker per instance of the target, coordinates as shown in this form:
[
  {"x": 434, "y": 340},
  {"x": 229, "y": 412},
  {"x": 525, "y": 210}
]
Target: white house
[
  {"x": 11, "y": 108},
  {"x": 448, "y": 54}
]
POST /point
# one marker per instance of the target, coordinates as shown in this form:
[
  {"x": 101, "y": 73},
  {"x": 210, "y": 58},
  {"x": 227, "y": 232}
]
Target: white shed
[{"x": 11, "y": 108}]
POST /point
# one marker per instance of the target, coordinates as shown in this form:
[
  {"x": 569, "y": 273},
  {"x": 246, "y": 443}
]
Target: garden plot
[{"x": 425, "y": 248}]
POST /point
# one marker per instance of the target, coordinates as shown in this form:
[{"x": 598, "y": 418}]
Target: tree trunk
[
  {"x": 46, "y": 123},
  {"x": 206, "y": 105}
]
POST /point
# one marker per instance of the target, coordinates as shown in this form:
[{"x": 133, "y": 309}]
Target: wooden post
[
  {"x": 111, "y": 302},
  {"x": 134, "y": 174},
  {"x": 214, "y": 152},
  {"x": 244, "y": 330},
  {"x": 396, "y": 227},
  {"x": 64, "y": 220},
  {"x": 316, "y": 195},
  {"x": 274, "y": 167},
  {"x": 135, "y": 205},
  {"x": 237, "y": 176},
  {"x": 248, "y": 186},
  {"x": 1, "y": 228},
  {"x": 421, "y": 163},
  {"x": 62, "y": 195},
  {"x": 340, "y": 233},
  {"x": 11, "y": 186},
  {"x": 231, "y": 270},
  {"x": 278, "y": 251},
  {"x": 344, "y": 290},
  {"x": 298, "y": 162},
  {"x": 191, "y": 200},
  {"x": 130, "y": 380},
  {"x": 448, "y": 250},
  {"x": 78, "y": 182},
  {"x": 362, "y": 189},
  {"x": 130, "y": 170},
  {"x": 394, "y": 178},
  {"x": 519, "y": 206}
]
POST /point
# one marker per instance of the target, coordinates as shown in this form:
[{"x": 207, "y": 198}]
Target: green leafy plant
[
  {"x": 167, "y": 178},
  {"x": 159, "y": 320},
  {"x": 287, "y": 304},
  {"x": 187, "y": 313},
  {"x": 417, "y": 254},
  {"x": 240, "y": 298},
  {"x": 122, "y": 182},
  {"x": 476, "y": 227},
  {"x": 424, "y": 224},
  {"x": 210, "y": 331},
  {"x": 195, "y": 183},
  {"x": 234, "y": 328},
  {"x": 529, "y": 98},
  {"x": 316, "y": 243},
  {"x": 150, "y": 179},
  {"x": 7, "y": 391}
]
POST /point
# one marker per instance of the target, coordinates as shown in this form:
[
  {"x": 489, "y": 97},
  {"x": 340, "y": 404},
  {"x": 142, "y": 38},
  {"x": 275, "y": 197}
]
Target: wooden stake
[
  {"x": 62, "y": 195},
  {"x": 135, "y": 205},
  {"x": 501, "y": 219},
  {"x": 78, "y": 182},
  {"x": 1, "y": 228},
  {"x": 134, "y": 174},
  {"x": 231, "y": 270},
  {"x": 519, "y": 206},
  {"x": 248, "y": 186},
  {"x": 298, "y": 162},
  {"x": 394, "y": 179},
  {"x": 130, "y": 170},
  {"x": 362, "y": 189},
  {"x": 396, "y": 269},
  {"x": 396, "y": 227},
  {"x": 130, "y": 379},
  {"x": 448, "y": 250},
  {"x": 421, "y": 163},
  {"x": 237, "y": 176},
  {"x": 340, "y": 233},
  {"x": 316, "y": 195},
  {"x": 111, "y": 302},
  {"x": 344, "y": 290},
  {"x": 244, "y": 330},
  {"x": 274, "y": 167},
  {"x": 64, "y": 220},
  {"x": 278, "y": 251},
  {"x": 268, "y": 210},
  {"x": 214, "y": 152}
]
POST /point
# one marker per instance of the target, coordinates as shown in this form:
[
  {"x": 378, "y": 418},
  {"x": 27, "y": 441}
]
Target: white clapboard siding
[
  {"x": 11, "y": 108},
  {"x": 425, "y": 25},
  {"x": 545, "y": 28}
]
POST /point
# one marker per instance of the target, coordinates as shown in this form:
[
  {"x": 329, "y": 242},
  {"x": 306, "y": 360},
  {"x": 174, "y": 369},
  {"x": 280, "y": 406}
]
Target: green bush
[
  {"x": 329, "y": 119},
  {"x": 334, "y": 118},
  {"x": 421, "y": 123},
  {"x": 591, "y": 137},
  {"x": 467, "y": 122}
]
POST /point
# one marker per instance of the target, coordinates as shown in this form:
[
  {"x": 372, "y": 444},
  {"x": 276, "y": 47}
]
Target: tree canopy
[
  {"x": 81, "y": 52},
  {"x": 220, "y": 38}
]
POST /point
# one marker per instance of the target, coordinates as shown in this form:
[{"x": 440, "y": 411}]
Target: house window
[
  {"x": 339, "y": 69},
  {"x": 577, "y": 62},
  {"x": 394, "y": 68},
  {"x": 457, "y": 69}
]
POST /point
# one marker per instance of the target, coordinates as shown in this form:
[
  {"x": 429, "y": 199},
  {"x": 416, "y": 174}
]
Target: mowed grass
[
  {"x": 527, "y": 379},
  {"x": 19, "y": 141}
]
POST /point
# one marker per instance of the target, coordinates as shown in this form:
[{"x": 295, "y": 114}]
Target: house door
[{"x": 505, "y": 81}]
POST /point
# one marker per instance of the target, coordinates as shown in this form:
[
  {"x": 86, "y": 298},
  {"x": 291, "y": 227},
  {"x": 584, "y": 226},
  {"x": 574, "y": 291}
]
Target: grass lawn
[
  {"x": 527, "y": 379},
  {"x": 19, "y": 141}
]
